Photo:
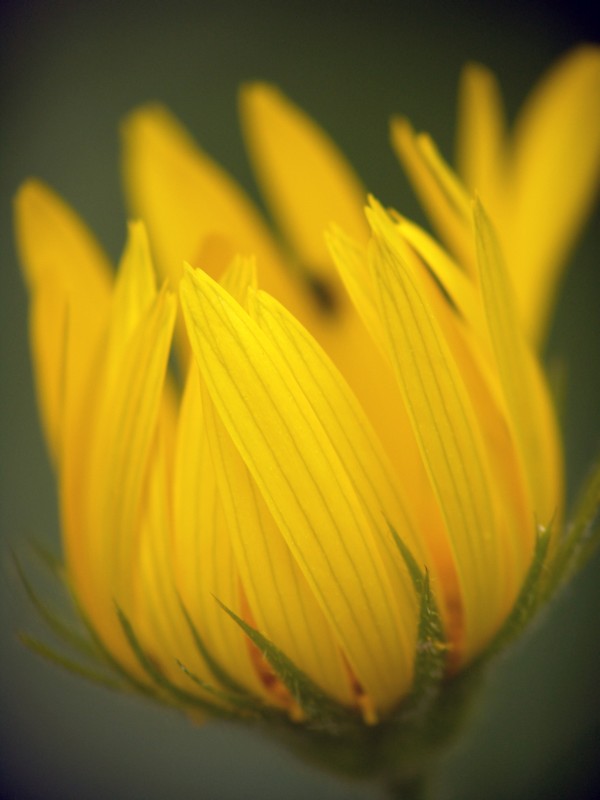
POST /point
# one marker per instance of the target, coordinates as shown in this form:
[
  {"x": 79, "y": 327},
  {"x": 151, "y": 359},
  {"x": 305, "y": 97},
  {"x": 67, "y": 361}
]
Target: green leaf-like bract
[
  {"x": 582, "y": 538},
  {"x": 76, "y": 667},
  {"x": 528, "y": 599},
  {"x": 172, "y": 692},
  {"x": 431, "y": 649},
  {"x": 244, "y": 702},
  {"x": 219, "y": 673},
  {"x": 320, "y": 710},
  {"x": 59, "y": 627}
]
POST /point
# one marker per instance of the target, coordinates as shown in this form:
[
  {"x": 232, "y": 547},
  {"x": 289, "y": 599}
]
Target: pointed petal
[
  {"x": 135, "y": 286},
  {"x": 305, "y": 486},
  {"x": 134, "y": 292},
  {"x": 204, "y": 561},
  {"x": 376, "y": 387},
  {"x": 455, "y": 303},
  {"x": 48, "y": 326},
  {"x": 444, "y": 199},
  {"x": 352, "y": 438},
  {"x": 185, "y": 198},
  {"x": 305, "y": 179},
  {"x": 556, "y": 164},
  {"x": 350, "y": 259},
  {"x": 156, "y": 611},
  {"x": 481, "y": 138},
  {"x": 123, "y": 432},
  {"x": 528, "y": 401},
  {"x": 446, "y": 429},
  {"x": 70, "y": 279},
  {"x": 52, "y": 239},
  {"x": 461, "y": 290},
  {"x": 279, "y": 597}
]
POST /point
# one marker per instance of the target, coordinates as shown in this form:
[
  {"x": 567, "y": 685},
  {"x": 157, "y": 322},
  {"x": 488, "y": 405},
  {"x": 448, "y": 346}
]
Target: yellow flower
[{"x": 355, "y": 407}]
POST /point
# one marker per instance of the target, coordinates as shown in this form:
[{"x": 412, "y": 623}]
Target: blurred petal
[
  {"x": 556, "y": 164},
  {"x": 194, "y": 211},
  {"x": 442, "y": 196},
  {"x": 125, "y": 424},
  {"x": 528, "y": 404},
  {"x": 70, "y": 280},
  {"x": 305, "y": 179},
  {"x": 482, "y": 138}
]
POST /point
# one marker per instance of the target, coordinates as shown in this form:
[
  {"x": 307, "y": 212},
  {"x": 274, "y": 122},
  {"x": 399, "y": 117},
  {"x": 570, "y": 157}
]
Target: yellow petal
[
  {"x": 282, "y": 604},
  {"x": 134, "y": 292},
  {"x": 442, "y": 196},
  {"x": 353, "y": 439},
  {"x": 135, "y": 286},
  {"x": 556, "y": 164},
  {"x": 156, "y": 613},
  {"x": 305, "y": 179},
  {"x": 52, "y": 239},
  {"x": 61, "y": 259},
  {"x": 204, "y": 562},
  {"x": 186, "y": 199},
  {"x": 459, "y": 287},
  {"x": 350, "y": 259},
  {"x": 48, "y": 326},
  {"x": 481, "y": 138},
  {"x": 123, "y": 432},
  {"x": 528, "y": 403},
  {"x": 305, "y": 486},
  {"x": 446, "y": 428},
  {"x": 456, "y": 305},
  {"x": 370, "y": 374}
]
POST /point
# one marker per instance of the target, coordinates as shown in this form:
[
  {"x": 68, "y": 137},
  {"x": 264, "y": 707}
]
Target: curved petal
[
  {"x": 305, "y": 179},
  {"x": 440, "y": 192},
  {"x": 70, "y": 280},
  {"x": 446, "y": 429},
  {"x": 383, "y": 501},
  {"x": 203, "y": 557},
  {"x": 555, "y": 158},
  {"x": 194, "y": 210},
  {"x": 305, "y": 486},
  {"x": 530, "y": 412},
  {"x": 123, "y": 431},
  {"x": 481, "y": 140}
]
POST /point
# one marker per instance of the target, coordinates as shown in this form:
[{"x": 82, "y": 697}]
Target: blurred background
[{"x": 69, "y": 72}]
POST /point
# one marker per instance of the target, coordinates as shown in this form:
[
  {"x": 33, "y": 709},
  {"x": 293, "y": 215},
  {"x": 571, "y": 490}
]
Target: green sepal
[
  {"x": 528, "y": 600},
  {"x": 318, "y": 707},
  {"x": 132, "y": 681},
  {"x": 51, "y": 561},
  {"x": 219, "y": 673},
  {"x": 63, "y": 661},
  {"x": 59, "y": 627},
  {"x": 431, "y": 647},
  {"x": 172, "y": 692},
  {"x": 415, "y": 572},
  {"x": 244, "y": 702},
  {"x": 430, "y": 656},
  {"x": 582, "y": 538},
  {"x": 91, "y": 648}
]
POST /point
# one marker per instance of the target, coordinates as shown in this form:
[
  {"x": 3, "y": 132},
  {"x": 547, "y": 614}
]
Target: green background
[{"x": 69, "y": 72}]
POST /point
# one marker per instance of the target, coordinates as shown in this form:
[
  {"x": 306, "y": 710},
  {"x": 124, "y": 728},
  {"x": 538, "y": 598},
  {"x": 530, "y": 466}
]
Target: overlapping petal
[
  {"x": 362, "y": 404},
  {"x": 304, "y": 484}
]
